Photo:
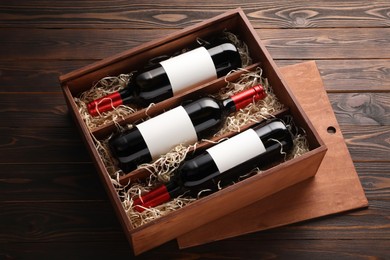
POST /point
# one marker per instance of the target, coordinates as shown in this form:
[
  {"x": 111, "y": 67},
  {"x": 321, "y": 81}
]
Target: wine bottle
[
  {"x": 172, "y": 76},
  {"x": 184, "y": 124},
  {"x": 222, "y": 164}
]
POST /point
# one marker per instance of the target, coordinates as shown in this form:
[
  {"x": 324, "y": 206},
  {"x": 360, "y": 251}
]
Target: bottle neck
[
  {"x": 128, "y": 96},
  {"x": 244, "y": 98}
]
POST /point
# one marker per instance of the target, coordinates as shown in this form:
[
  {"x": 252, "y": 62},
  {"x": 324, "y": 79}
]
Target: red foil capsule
[
  {"x": 152, "y": 199},
  {"x": 150, "y": 195},
  {"x": 246, "y": 97},
  {"x": 104, "y": 104}
]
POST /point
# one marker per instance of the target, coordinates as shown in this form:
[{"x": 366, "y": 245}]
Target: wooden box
[{"x": 224, "y": 201}]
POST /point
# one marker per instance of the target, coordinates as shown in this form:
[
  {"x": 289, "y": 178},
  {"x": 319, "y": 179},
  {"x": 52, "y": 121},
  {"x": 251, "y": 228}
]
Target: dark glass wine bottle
[
  {"x": 172, "y": 76},
  {"x": 184, "y": 124},
  {"x": 223, "y": 163}
]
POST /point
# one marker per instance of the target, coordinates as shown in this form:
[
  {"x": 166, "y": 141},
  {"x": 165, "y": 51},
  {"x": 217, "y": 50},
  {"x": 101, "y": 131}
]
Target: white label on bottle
[
  {"x": 167, "y": 130},
  {"x": 236, "y": 150},
  {"x": 189, "y": 69}
]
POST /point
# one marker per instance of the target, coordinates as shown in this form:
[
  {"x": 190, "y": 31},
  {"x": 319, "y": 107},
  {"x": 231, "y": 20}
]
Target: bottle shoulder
[
  {"x": 204, "y": 103},
  {"x": 223, "y": 47},
  {"x": 275, "y": 130},
  {"x": 225, "y": 58},
  {"x": 207, "y": 115}
]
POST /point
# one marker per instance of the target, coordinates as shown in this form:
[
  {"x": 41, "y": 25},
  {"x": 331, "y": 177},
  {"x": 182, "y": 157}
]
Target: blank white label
[
  {"x": 189, "y": 69},
  {"x": 167, "y": 130},
  {"x": 236, "y": 150}
]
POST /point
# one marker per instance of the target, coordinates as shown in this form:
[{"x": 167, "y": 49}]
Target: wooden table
[{"x": 52, "y": 205}]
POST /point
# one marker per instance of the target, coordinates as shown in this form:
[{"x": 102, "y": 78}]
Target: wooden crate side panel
[{"x": 103, "y": 174}]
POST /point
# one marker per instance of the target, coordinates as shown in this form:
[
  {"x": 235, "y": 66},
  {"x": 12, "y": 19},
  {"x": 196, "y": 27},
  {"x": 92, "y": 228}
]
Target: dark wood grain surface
[{"x": 52, "y": 205}]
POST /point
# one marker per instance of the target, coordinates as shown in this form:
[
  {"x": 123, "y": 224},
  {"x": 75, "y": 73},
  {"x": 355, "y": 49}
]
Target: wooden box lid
[{"x": 335, "y": 188}]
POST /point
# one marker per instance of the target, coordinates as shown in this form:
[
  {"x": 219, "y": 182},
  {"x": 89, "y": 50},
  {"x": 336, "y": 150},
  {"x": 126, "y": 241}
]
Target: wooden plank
[
  {"x": 337, "y": 75},
  {"x": 37, "y": 145},
  {"x": 34, "y": 110},
  {"x": 58, "y": 221},
  {"x": 35, "y": 75},
  {"x": 349, "y": 225},
  {"x": 79, "y": 181},
  {"x": 367, "y": 143},
  {"x": 93, "y": 221},
  {"x": 68, "y": 44},
  {"x": 50, "y": 182},
  {"x": 249, "y": 248},
  {"x": 179, "y": 14},
  {"x": 117, "y": 249},
  {"x": 362, "y": 108},
  {"x": 351, "y": 43},
  {"x": 351, "y": 75},
  {"x": 340, "y": 43},
  {"x": 31, "y": 109},
  {"x": 375, "y": 179}
]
